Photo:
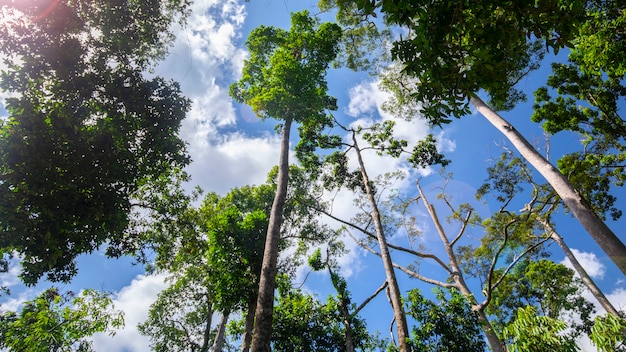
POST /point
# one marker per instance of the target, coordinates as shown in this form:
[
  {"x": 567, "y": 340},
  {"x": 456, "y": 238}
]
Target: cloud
[
  {"x": 134, "y": 300},
  {"x": 234, "y": 160},
  {"x": 589, "y": 261}
]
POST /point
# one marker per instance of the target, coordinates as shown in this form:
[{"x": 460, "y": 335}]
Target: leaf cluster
[
  {"x": 86, "y": 129},
  {"x": 56, "y": 321},
  {"x": 449, "y": 324}
]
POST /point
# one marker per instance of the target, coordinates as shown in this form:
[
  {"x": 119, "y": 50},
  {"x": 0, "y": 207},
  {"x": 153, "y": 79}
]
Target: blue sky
[{"x": 231, "y": 148}]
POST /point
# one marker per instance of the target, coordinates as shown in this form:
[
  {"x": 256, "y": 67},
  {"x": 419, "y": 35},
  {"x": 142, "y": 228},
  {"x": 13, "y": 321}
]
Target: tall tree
[
  {"x": 215, "y": 256},
  {"x": 507, "y": 179},
  {"x": 86, "y": 128},
  {"x": 56, "y": 321},
  {"x": 456, "y": 49},
  {"x": 284, "y": 79}
]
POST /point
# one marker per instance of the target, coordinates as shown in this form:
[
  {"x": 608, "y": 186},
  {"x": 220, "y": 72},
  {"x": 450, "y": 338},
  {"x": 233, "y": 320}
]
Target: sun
[{"x": 35, "y": 9}]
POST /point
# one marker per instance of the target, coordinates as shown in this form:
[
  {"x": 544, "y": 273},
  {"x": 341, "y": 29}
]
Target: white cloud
[
  {"x": 589, "y": 261},
  {"x": 134, "y": 300},
  {"x": 234, "y": 160}
]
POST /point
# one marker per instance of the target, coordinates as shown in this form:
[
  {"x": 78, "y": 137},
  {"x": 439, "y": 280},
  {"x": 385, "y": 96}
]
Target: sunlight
[{"x": 36, "y": 9}]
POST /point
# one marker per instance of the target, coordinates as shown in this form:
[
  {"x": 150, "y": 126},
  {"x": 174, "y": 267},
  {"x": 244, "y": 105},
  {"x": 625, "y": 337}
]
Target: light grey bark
[
  {"x": 218, "y": 344},
  {"x": 262, "y": 334},
  {"x": 599, "y": 231},
  {"x": 584, "y": 276},
  {"x": 394, "y": 290},
  {"x": 457, "y": 276}
]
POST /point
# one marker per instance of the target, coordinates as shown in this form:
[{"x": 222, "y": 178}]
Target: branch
[
  {"x": 464, "y": 223},
  {"x": 402, "y": 268},
  {"x": 368, "y": 299}
]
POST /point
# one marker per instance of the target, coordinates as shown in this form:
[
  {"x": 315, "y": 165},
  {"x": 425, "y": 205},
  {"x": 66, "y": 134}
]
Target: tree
[
  {"x": 304, "y": 323},
  {"x": 284, "y": 79},
  {"x": 86, "y": 129},
  {"x": 337, "y": 175},
  {"x": 456, "y": 49},
  {"x": 507, "y": 179},
  {"x": 446, "y": 325},
  {"x": 59, "y": 322},
  {"x": 550, "y": 289},
  {"x": 530, "y": 332},
  {"x": 214, "y": 255},
  {"x": 180, "y": 318},
  {"x": 353, "y": 327}
]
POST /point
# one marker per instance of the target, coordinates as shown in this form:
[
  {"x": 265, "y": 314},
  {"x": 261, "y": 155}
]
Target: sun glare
[{"x": 35, "y": 9}]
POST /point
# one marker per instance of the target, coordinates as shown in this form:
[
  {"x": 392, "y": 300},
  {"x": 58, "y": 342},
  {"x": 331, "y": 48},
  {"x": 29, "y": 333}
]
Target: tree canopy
[{"x": 86, "y": 129}]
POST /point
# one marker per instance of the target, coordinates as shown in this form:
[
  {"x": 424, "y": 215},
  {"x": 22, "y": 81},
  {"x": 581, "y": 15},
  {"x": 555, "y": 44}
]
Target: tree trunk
[
  {"x": 599, "y": 231},
  {"x": 492, "y": 338},
  {"x": 218, "y": 344},
  {"x": 587, "y": 280},
  {"x": 207, "y": 329},
  {"x": 247, "y": 333},
  {"x": 347, "y": 319},
  {"x": 265, "y": 303},
  {"x": 394, "y": 290}
]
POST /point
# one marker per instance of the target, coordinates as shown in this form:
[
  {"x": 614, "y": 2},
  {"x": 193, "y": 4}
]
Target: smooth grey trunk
[
  {"x": 599, "y": 231},
  {"x": 206, "y": 338},
  {"x": 492, "y": 338},
  {"x": 249, "y": 325},
  {"x": 587, "y": 280},
  {"x": 262, "y": 332},
  {"x": 218, "y": 344},
  {"x": 394, "y": 290}
]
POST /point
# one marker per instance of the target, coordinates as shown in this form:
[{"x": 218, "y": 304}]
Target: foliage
[
  {"x": 583, "y": 96},
  {"x": 215, "y": 259},
  {"x": 59, "y": 322},
  {"x": 607, "y": 333},
  {"x": 303, "y": 323},
  {"x": 364, "y": 45},
  {"x": 181, "y": 315},
  {"x": 550, "y": 288},
  {"x": 86, "y": 129},
  {"x": 531, "y": 332},
  {"x": 455, "y": 49},
  {"x": 446, "y": 325}
]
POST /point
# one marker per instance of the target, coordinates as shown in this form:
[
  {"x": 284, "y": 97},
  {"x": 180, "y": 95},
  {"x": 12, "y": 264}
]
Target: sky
[{"x": 230, "y": 147}]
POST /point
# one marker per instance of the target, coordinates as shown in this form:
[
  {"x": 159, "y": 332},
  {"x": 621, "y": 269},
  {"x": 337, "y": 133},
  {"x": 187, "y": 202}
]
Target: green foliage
[
  {"x": 583, "y": 96},
  {"x": 363, "y": 44},
  {"x": 446, "y": 325},
  {"x": 86, "y": 129},
  {"x": 214, "y": 254},
  {"x": 530, "y": 332},
  {"x": 455, "y": 49},
  {"x": 181, "y": 314},
  {"x": 303, "y": 323},
  {"x": 548, "y": 287},
  {"x": 425, "y": 154},
  {"x": 59, "y": 322},
  {"x": 607, "y": 333},
  {"x": 284, "y": 76}
]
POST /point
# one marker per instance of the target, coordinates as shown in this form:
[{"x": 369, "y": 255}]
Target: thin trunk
[
  {"x": 262, "y": 334},
  {"x": 218, "y": 344},
  {"x": 247, "y": 333},
  {"x": 347, "y": 319},
  {"x": 599, "y": 231},
  {"x": 587, "y": 280},
  {"x": 206, "y": 337},
  {"x": 394, "y": 290},
  {"x": 492, "y": 338}
]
